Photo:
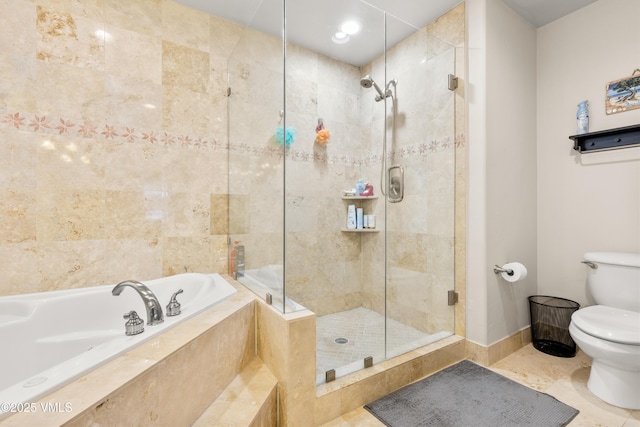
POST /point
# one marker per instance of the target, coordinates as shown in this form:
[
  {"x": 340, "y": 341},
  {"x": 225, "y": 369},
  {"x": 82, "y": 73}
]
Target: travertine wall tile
[
  {"x": 219, "y": 214},
  {"x": 68, "y": 264},
  {"x": 126, "y": 215},
  {"x": 184, "y": 67},
  {"x": 185, "y": 26},
  {"x": 65, "y": 163},
  {"x": 132, "y": 55},
  {"x": 286, "y": 344},
  {"x": 65, "y": 215},
  {"x": 143, "y": 16},
  {"x": 113, "y": 141},
  {"x": 67, "y": 39},
  {"x": 194, "y": 254},
  {"x": 146, "y": 261}
]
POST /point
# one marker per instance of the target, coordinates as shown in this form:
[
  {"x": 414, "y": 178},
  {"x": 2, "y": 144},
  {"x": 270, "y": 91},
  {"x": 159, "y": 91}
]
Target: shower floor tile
[{"x": 363, "y": 330}]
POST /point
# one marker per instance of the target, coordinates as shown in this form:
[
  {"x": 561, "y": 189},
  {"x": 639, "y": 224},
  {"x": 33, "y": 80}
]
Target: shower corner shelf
[
  {"x": 611, "y": 139},
  {"x": 359, "y": 197},
  {"x": 361, "y": 230}
]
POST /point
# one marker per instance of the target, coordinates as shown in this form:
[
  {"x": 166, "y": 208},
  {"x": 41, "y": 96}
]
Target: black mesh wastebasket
[{"x": 550, "y": 318}]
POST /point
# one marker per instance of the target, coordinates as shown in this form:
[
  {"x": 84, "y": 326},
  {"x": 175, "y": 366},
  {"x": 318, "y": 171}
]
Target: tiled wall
[
  {"x": 113, "y": 157},
  {"x": 113, "y": 136}
]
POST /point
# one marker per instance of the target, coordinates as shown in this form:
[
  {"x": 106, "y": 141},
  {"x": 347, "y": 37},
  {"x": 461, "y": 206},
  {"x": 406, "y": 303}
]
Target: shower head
[{"x": 367, "y": 82}]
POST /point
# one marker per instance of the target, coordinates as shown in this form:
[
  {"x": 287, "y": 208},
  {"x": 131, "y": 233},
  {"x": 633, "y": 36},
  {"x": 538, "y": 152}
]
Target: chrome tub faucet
[{"x": 151, "y": 303}]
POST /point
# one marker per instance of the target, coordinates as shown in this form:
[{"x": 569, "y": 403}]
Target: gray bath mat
[{"x": 467, "y": 394}]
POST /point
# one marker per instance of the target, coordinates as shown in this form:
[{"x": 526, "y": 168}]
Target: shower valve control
[
  {"x": 396, "y": 184},
  {"x": 135, "y": 325}
]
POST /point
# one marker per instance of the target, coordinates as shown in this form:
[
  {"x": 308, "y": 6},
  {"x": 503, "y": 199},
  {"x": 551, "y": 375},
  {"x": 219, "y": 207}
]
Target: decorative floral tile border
[
  {"x": 412, "y": 150},
  {"x": 47, "y": 124}
]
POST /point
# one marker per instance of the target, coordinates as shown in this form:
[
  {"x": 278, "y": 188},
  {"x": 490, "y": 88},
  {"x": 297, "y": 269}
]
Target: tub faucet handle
[
  {"x": 173, "y": 308},
  {"x": 135, "y": 325}
]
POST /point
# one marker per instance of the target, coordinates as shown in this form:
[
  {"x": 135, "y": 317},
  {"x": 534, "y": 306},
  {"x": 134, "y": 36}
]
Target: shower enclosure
[{"x": 313, "y": 108}]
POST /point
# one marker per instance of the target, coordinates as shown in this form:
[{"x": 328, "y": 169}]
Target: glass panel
[
  {"x": 324, "y": 263},
  {"x": 256, "y": 168}
]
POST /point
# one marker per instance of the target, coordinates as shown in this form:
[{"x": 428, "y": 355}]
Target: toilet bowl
[
  {"x": 611, "y": 337},
  {"x": 609, "y": 332}
]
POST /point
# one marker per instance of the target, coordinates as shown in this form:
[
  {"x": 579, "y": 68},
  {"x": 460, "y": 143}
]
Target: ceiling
[
  {"x": 541, "y": 12},
  {"x": 312, "y": 23}
]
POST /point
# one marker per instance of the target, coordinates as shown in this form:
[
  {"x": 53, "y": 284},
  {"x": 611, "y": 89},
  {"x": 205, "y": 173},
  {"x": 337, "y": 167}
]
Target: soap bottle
[
  {"x": 360, "y": 186},
  {"x": 232, "y": 258},
  {"x": 582, "y": 117},
  {"x": 238, "y": 270},
  {"x": 351, "y": 217}
]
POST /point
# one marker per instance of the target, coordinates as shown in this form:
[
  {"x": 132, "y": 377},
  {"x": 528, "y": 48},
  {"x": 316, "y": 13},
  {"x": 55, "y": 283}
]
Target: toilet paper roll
[{"x": 519, "y": 272}]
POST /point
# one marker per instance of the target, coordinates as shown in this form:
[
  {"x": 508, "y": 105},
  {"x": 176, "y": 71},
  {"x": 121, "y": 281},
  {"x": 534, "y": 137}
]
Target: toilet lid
[{"x": 609, "y": 323}]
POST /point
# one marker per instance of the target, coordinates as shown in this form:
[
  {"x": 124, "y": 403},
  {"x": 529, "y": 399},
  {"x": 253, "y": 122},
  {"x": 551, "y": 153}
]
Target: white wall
[
  {"x": 589, "y": 202},
  {"x": 502, "y": 168},
  {"x": 476, "y": 287},
  {"x": 523, "y": 88}
]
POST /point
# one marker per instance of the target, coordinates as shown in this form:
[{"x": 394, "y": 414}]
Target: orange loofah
[{"x": 323, "y": 136}]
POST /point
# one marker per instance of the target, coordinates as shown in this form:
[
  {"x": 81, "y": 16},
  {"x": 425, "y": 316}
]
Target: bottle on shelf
[
  {"x": 351, "y": 217},
  {"x": 582, "y": 117}
]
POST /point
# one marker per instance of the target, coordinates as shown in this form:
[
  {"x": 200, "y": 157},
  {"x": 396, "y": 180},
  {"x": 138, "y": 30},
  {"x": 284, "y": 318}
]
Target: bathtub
[
  {"x": 52, "y": 338},
  {"x": 268, "y": 279}
]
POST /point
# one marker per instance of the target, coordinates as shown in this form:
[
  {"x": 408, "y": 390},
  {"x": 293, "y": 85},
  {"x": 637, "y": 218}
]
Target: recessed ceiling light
[
  {"x": 350, "y": 27},
  {"x": 340, "y": 37}
]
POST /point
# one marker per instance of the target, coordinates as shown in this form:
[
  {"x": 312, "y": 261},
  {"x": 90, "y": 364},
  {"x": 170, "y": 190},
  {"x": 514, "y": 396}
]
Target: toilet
[{"x": 609, "y": 332}]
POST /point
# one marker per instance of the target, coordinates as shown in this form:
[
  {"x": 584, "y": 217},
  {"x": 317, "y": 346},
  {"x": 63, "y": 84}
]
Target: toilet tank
[{"x": 616, "y": 281}]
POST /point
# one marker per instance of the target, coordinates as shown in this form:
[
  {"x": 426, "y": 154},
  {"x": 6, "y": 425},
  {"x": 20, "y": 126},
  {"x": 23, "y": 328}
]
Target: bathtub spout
[{"x": 151, "y": 303}]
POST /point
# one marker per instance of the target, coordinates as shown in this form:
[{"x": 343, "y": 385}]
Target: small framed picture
[{"x": 624, "y": 94}]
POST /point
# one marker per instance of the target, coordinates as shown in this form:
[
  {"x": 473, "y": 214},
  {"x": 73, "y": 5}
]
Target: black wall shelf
[{"x": 612, "y": 139}]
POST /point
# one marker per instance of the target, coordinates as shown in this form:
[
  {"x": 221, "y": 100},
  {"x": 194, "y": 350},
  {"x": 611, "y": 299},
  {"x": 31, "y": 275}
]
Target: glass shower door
[
  {"x": 420, "y": 205},
  {"x": 306, "y": 122}
]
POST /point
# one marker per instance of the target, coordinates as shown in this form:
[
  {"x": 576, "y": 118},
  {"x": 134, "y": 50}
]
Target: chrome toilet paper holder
[{"x": 497, "y": 269}]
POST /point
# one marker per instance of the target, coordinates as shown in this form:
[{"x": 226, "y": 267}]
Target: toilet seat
[{"x": 609, "y": 323}]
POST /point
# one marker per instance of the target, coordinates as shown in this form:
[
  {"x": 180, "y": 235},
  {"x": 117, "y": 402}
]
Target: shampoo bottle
[
  {"x": 582, "y": 117},
  {"x": 232, "y": 258},
  {"x": 351, "y": 217}
]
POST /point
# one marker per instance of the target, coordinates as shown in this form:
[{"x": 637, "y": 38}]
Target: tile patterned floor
[
  {"x": 364, "y": 331},
  {"x": 563, "y": 378}
]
